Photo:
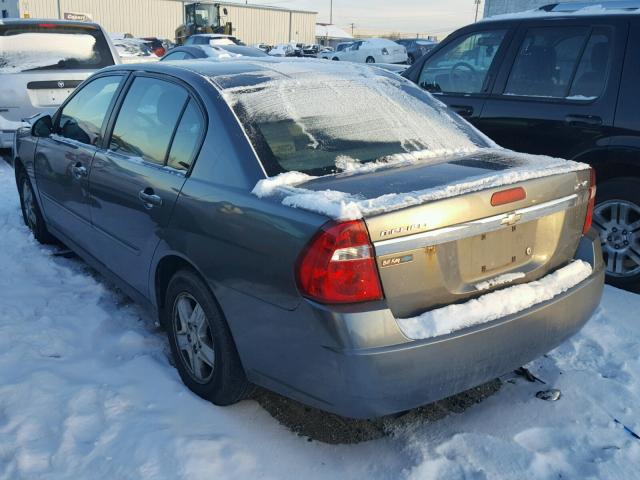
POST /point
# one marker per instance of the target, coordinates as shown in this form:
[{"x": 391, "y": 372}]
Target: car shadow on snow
[{"x": 315, "y": 424}]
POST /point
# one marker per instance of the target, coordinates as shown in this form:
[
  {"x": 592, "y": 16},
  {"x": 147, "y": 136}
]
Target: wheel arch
[{"x": 613, "y": 162}]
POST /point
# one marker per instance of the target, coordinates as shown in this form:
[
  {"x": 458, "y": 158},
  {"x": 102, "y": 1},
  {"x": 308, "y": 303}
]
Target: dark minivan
[{"x": 561, "y": 81}]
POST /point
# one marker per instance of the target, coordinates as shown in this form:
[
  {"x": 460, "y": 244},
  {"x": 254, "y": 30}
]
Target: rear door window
[
  {"x": 546, "y": 61},
  {"x": 462, "y": 66},
  {"x": 82, "y": 117},
  {"x": 147, "y": 119},
  {"x": 51, "y": 46}
]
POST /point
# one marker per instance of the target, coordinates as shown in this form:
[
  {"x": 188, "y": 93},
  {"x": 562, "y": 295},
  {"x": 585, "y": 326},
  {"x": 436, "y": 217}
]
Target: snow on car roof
[{"x": 593, "y": 9}]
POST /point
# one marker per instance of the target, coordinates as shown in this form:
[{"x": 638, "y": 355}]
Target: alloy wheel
[
  {"x": 618, "y": 222},
  {"x": 193, "y": 337}
]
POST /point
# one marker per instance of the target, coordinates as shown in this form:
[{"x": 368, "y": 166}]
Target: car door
[
  {"x": 460, "y": 73},
  {"x": 136, "y": 180},
  {"x": 557, "y": 92},
  {"x": 63, "y": 160}
]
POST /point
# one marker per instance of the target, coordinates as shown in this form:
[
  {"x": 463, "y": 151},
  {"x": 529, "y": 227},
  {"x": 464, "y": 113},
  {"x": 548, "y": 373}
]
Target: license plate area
[
  {"x": 497, "y": 252},
  {"x": 49, "y": 97}
]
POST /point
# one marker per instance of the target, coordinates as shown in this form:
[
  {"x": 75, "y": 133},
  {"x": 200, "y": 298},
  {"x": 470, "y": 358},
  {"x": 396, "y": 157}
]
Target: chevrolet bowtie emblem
[{"x": 511, "y": 219}]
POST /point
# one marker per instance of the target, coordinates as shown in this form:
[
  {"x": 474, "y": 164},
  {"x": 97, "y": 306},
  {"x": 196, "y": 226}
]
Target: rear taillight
[
  {"x": 338, "y": 265},
  {"x": 592, "y": 198}
]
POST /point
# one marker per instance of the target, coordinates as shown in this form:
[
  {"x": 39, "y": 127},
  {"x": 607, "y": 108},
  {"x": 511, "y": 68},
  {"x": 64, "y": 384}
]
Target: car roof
[
  {"x": 571, "y": 10},
  {"x": 266, "y": 67},
  {"x": 35, "y": 21}
]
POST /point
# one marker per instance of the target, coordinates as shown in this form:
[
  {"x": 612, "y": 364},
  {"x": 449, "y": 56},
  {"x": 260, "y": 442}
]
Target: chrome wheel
[
  {"x": 29, "y": 205},
  {"x": 193, "y": 337},
  {"x": 619, "y": 224}
]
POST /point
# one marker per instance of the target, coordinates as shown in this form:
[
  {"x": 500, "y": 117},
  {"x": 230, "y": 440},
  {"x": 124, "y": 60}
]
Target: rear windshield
[
  {"x": 312, "y": 121},
  {"x": 44, "y": 46}
]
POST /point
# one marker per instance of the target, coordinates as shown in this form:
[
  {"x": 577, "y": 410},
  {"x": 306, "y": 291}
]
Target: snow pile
[
  {"x": 344, "y": 206},
  {"x": 27, "y": 51},
  {"x": 494, "y": 305}
]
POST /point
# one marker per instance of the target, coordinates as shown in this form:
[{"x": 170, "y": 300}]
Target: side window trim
[{"x": 191, "y": 96}]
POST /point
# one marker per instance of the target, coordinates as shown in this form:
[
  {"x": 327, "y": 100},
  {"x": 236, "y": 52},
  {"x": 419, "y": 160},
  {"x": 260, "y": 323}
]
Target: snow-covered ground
[{"x": 87, "y": 392}]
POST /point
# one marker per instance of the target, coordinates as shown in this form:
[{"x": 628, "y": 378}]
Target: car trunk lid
[{"x": 459, "y": 246}]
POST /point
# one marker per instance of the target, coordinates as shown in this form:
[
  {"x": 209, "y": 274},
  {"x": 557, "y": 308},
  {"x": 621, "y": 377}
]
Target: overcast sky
[{"x": 424, "y": 16}]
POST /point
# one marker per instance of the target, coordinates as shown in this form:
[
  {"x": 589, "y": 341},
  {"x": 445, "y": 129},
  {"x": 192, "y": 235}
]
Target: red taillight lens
[
  {"x": 592, "y": 199},
  {"x": 337, "y": 266},
  {"x": 159, "y": 51},
  {"x": 47, "y": 25}
]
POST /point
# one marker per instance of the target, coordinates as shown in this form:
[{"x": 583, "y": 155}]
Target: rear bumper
[{"x": 369, "y": 369}]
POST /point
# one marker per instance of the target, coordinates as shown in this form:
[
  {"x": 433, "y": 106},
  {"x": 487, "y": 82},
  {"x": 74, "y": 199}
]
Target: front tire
[
  {"x": 335, "y": 59},
  {"x": 370, "y": 60},
  {"x": 617, "y": 218},
  {"x": 201, "y": 343},
  {"x": 31, "y": 214}
]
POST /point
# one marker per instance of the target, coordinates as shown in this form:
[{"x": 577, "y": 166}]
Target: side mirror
[{"x": 42, "y": 127}]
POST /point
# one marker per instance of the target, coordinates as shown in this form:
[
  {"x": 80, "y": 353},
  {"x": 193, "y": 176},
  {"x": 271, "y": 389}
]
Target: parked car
[
  {"x": 158, "y": 46},
  {"x": 284, "y": 50},
  {"x": 560, "y": 83},
  {"x": 134, "y": 50},
  {"x": 416, "y": 47},
  {"x": 265, "y": 47},
  {"x": 41, "y": 62},
  {"x": 212, "y": 51},
  {"x": 373, "y": 50},
  {"x": 212, "y": 39},
  {"x": 166, "y": 179}
]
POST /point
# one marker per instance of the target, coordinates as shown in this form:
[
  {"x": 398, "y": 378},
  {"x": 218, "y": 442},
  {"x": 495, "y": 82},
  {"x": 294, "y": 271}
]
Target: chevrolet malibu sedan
[{"x": 363, "y": 256}]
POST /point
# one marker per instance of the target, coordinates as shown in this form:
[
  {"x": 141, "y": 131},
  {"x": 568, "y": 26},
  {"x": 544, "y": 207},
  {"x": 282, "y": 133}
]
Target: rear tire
[
  {"x": 370, "y": 60},
  {"x": 31, "y": 214},
  {"x": 617, "y": 218},
  {"x": 335, "y": 59},
  {"x": 215, "y": 372}
]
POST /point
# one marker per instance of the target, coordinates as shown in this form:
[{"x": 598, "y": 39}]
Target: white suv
[{"x": 42, "y": 62}]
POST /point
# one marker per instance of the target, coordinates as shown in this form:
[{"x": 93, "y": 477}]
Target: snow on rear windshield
[
  {"x": 305, "y": 119},
  {"x": 46, "y": 48}
]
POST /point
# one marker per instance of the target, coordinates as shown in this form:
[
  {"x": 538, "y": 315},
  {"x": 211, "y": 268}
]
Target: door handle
[
  {"x": 462, "y": 110},
  {"x": 149, "y": 198},
  {"x": 583, "y": 120},
  {"x": 79, "y": 171}
]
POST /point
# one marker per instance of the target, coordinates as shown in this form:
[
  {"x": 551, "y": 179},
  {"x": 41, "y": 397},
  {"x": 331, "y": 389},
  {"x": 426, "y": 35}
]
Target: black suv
[{"x": 559, "y": 82}]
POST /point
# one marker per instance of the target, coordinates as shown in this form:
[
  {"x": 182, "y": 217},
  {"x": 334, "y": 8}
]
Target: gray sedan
[{"x": 364, "y": 255}]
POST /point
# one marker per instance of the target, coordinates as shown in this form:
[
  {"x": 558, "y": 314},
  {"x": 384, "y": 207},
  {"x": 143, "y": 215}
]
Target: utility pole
[
  {"x": 331, "y": 12},
  {"x": 352, "y": 26},
  {"x": 477, "y": 8}
]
